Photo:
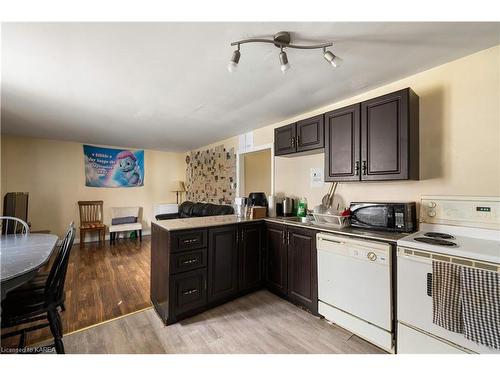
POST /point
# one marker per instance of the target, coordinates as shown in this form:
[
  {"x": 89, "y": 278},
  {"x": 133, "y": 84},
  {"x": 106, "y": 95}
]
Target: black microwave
[{"x": 395, "y": 217}]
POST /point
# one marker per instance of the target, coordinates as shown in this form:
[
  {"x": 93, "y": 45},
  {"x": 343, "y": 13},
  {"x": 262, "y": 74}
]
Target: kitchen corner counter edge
[{"x": 213, "y": 221}]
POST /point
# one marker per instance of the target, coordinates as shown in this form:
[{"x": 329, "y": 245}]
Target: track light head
[
  {"x": 235, "y": 59},
  {"x": 334, "y": 60},
  {"x": 284, "y": 61}
]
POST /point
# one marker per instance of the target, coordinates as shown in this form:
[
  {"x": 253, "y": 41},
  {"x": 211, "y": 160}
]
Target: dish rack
[{"x": 335, "y": 221}]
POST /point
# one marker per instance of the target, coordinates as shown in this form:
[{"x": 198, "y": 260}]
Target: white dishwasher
[{"x": 355, "y": 286}]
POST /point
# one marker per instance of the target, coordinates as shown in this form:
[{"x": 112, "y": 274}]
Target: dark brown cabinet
[
  {"x": 305, "y": 135},
  {"x": 310, "y": 134},
  {"x": 302, "y": 268},
  {"x": 292, "y": 270},
  {"x": 222, "y": 262},
  {"x": 251, "y": 254},
  {"x": 276, "y": 273},
  {"x": 188, "y": 291},
  {"x": 342, "y": 151},
  {"x": 231, "y": 260},
  {"x": 374, "y": 140},
  {"x": 389, "y": 137},
  {"x": 284, "y": 140}
]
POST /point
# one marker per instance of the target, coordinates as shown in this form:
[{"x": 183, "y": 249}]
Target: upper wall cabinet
[
  {"x": 305, "y": 135},
  {"x": 374, "y": 140}
]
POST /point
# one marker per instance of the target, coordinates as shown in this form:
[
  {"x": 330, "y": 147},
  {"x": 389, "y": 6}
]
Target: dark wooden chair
[
  {"x": 37, "y": 304},
  {"x": 91, "y": 219}
]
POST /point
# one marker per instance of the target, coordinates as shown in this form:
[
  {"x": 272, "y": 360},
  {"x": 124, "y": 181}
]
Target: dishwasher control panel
[{"x": 362, "y": 250}]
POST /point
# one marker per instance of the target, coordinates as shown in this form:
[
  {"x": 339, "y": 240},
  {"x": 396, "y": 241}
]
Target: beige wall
[
  {"x": 53, "y": 174},
  {"x": 459, "y": 136},
  {"x": 257, "y": 172}
]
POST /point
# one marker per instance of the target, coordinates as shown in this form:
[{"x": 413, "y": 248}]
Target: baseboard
[{"x": 106, "y": 238}]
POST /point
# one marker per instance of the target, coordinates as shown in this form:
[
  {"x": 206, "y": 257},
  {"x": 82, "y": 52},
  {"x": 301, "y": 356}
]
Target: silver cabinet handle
[
  {"x": 364, "y": 167},
  {"x": 190, "y": 261},
  {"x": 190, "y": 240},
  {"x": 190, "y": 291},
  {"x": 356, "y": 168}
]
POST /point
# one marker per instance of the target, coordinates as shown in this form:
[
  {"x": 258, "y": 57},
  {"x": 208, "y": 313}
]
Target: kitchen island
[{"x": 198, "y": 263}]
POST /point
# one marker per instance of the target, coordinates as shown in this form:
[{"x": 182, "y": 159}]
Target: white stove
[{"x": 460, "y": 230}]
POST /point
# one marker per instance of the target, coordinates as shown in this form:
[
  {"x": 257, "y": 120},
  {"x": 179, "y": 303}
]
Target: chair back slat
[
  {"x": 13, "y": 225},
  {"x": 54, "y": 286},
  {"x": 91, "y": 212}
]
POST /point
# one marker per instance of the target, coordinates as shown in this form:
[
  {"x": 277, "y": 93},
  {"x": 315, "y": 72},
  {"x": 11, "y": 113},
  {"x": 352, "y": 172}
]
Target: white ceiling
[{"x": 165, "y": 85}]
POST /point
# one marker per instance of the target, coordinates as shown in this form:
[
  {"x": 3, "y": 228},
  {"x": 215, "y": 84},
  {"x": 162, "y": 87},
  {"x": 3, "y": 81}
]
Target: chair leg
[
  {"x": 82, "y": 237},
  {"x": 140, "y": 235},
  {"x": 56, "y": 330}
]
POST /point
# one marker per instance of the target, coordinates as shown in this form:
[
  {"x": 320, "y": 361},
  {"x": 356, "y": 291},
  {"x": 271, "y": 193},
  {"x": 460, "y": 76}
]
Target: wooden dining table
[{"x": 22, "y": 256}]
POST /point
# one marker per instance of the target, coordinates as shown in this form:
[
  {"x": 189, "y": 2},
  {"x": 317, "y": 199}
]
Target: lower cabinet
[
  {"x": 197, "y": 269},
  {"x": 276, "y": 265},
  {"x": 188, "y": 291},
  {"x": 222, "y": 262},
  {"x": 251, "y": 256},
  {"x": 303, "y": 268},
  {"x": 291, "y": 264}
]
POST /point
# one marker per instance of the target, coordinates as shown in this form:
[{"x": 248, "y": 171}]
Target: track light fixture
[
  {"x": 235, "y": 59},
  {"x": 331, "y": 58},
  {"x": 282, "y": 40},
  {"x": 284, "y": 61}
]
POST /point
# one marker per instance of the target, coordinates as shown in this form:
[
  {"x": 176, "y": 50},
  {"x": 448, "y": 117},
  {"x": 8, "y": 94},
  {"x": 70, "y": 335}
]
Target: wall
[
  {"x": 53, "y": 174},
  {"x": 459, "y": 136},
  {"x": 210, "y": 175},
  {"x": 257, "y": 172}
]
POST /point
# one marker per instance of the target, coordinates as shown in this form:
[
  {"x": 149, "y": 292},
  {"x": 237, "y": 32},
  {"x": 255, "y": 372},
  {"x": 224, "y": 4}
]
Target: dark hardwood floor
[{"x": 103, "y": 282}]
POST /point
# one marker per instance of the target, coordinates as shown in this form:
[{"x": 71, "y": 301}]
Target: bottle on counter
[{"x": 302, "y": 207}]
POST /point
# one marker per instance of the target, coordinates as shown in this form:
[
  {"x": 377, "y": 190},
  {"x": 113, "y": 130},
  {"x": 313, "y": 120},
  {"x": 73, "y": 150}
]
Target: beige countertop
[{"x": 213, "y": 221}]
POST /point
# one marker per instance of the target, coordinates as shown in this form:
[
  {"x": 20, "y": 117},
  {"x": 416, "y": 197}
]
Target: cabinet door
[
  {"x": 276, "y": 273},
  {"x": 302, "y": 268},
  {"x": 384, "y": 137},
  {"x": 222, "y": 263},
  {"x": 342, "y": 154},
  {"x": 284, "y": 139},
  {"x": 188, "y": 291},
  {"x": 251, "y": 246},
  {"x": 310, "y": 134}
]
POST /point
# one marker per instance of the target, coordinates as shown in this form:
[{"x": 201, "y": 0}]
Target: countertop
[{"x": 213, "y": 221}]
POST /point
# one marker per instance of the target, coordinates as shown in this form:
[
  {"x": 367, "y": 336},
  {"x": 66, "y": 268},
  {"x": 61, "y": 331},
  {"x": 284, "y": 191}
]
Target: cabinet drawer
[
  {"x": 188, "y": 260},
  {"x": 188, "y": 291},
  {"x": 192, "y": 239}
]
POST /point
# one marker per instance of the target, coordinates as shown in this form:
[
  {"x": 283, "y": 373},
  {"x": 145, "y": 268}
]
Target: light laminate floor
[{"x": 257, "y": 323}]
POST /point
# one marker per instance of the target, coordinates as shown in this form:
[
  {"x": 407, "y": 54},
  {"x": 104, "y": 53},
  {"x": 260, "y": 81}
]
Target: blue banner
[{"x": 110, "y": 167}]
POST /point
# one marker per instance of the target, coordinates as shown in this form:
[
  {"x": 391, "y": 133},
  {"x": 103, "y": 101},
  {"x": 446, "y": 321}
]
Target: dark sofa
[{"x": 198, "y": 209}]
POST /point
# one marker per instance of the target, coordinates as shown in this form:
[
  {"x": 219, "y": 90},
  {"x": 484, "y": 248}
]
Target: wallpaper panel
[{"x": 211, "y": 175}]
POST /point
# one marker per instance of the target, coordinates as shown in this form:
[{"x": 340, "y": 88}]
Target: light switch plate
[{"x": 317, "y": 177}]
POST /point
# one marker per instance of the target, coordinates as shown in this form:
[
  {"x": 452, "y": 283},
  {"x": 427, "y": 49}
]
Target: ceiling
[{"x": 165, "y": 85}]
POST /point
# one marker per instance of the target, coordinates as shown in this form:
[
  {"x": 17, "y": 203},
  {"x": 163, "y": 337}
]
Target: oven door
[
  {"x": 372, "y": 215},
  {"x": 414, "y": 301}
]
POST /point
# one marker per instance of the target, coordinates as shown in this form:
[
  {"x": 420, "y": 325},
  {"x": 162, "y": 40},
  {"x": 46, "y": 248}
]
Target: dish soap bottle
[{"x": 302, "y": 207}]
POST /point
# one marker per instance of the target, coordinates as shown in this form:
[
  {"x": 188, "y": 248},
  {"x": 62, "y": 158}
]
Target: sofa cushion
[
  {"x": 123, "y": 220},
  {"x": 185, "y": 209}
]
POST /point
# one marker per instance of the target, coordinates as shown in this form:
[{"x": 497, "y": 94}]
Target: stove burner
[
  {"x": 443, "y": 236},
  {"x": 435, "y": 241}
]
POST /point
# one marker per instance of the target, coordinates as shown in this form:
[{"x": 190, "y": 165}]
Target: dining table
[{"x": 22, "y": 256}]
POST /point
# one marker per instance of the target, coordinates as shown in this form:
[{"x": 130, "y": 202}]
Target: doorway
[{"x": 255, "y": 171}]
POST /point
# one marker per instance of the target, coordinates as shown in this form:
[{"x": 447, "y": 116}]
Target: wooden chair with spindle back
[{"x": 91, "y": 219}]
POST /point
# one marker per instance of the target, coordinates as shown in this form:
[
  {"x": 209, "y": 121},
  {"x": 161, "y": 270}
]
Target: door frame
[{"x": 240, "y": 166}]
